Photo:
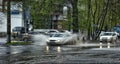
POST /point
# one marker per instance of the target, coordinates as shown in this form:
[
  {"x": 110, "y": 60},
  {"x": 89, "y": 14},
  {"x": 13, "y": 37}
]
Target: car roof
[
  {"x": 107, "y": 32},
  {"x": 62, "y": 33}
]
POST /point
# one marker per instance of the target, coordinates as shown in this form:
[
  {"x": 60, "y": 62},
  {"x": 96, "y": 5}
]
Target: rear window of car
[{"x": 19, "y": 29}]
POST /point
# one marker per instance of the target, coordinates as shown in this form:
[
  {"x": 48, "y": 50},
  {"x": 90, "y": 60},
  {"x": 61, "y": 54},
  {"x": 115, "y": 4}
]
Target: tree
[
  {"x": 8, "y": 22},
  {"x": 96, "y": 15},
  {"x": 75, "y": 16}
]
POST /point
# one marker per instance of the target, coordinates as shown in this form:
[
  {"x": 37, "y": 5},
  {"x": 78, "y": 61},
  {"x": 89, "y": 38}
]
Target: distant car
[
  {"x": 62, "y": 39},
  {"x": 108, "y": 36},
  {"x": 42, "y": 31},
  {"x": 117, "y": 29},
  {"x": 51, "y": 31},
  {"x": 65, "y": 31},
  {"x": 18, "y": 31}
]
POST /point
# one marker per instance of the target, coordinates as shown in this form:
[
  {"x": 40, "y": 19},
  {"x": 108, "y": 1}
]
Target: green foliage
[
  {"x": 19, "y": 43},
  {"x": 42, "y": 10}
]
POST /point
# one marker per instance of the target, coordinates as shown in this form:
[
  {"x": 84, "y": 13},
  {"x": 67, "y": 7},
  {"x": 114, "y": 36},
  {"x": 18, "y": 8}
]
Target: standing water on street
[{"x": 39, "y": 39}]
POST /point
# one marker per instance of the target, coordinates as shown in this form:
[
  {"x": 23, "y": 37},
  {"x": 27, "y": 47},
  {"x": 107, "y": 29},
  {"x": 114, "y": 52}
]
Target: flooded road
[
  {"x": 40, "y": 53},
  {"x": 67, "y": 54}
]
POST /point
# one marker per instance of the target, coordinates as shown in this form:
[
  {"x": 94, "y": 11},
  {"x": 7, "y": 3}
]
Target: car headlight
[
  {"x": 58, "y": 40},
  {"x": 48, "y": 40}
]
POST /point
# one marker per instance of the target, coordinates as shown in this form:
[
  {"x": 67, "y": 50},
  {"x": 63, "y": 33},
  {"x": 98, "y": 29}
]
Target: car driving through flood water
[{"x": 62, "y": 39}]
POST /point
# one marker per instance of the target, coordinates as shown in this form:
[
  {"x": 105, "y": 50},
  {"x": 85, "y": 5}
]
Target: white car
[
  {"x": 51, "y": 31},
  {"x": 108, "y": 36},
  {"x": 61, "y": 39}
]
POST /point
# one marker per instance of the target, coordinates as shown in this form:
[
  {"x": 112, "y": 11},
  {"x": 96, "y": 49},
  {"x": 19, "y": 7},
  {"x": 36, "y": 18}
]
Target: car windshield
[
  {"x": 58, "y": 35},
  {"x": 107, "y": 34}
]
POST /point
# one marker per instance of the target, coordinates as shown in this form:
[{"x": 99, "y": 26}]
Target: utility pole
[
  {"x": 26, "y": 14},
  {"x": 8, "y": 21}
]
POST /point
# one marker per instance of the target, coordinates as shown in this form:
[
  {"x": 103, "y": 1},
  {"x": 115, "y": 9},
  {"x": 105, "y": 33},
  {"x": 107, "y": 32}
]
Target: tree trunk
[
  {"x": 75, "y": 16},
  {"x": 8, "y": 22},
  {"x": 88, "y": 19}
]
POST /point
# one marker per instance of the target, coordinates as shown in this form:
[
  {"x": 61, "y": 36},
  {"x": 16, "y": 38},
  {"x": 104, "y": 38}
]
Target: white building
[
  {"x": 3, "y": 22},
  {"x": 16, "y": 18}
]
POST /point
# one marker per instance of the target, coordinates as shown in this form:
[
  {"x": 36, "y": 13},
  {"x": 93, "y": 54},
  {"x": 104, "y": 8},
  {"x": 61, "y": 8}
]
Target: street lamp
[
  {"x": 27, "y": 16},
  {"x": 67, "y": 9},
  {"x": 65, "y": 12},
  {"x": 55, "y": 20}
]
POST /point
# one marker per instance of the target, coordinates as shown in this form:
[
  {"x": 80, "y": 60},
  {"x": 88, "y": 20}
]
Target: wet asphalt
[{"x": 81, "y": 53}]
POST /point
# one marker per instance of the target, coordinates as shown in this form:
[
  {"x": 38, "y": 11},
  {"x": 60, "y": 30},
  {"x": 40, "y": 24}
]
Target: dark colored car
[
  {"x": 18, "y": 31},
  {"x": 19, "y": 34}
]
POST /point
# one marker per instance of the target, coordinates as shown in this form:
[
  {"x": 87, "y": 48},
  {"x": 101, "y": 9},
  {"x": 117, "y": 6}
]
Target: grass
[{"x": 19, "y": 43}]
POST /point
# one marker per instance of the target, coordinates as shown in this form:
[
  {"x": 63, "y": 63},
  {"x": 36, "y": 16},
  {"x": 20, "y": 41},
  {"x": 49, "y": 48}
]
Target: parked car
[
  {"x": 62, "y": 39},
  {"x": 18, "y": 31},
  {"x": 109, "y": 37}
]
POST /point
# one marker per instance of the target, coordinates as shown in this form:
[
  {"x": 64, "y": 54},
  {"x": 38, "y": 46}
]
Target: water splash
[
  {"x": 71, "y": 40},
  {"x": 39, "y": 39}
]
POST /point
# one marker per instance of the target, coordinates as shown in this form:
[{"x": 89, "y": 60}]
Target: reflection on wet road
[{"x": 42, "y": 54}]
